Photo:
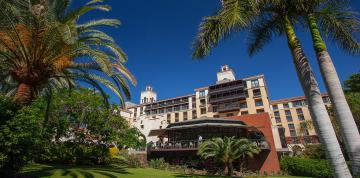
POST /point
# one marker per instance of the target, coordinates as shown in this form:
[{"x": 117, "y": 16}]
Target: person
[{"x": 200, "y": 139}]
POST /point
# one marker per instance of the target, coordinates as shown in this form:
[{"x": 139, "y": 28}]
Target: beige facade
[
  {"x": 228, "y": 97},
  {"x": 293, "y": 114}
]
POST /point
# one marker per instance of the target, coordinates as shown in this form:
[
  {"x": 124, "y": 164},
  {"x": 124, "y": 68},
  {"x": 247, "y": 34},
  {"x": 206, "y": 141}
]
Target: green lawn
[{"x": 42, "y": 171}]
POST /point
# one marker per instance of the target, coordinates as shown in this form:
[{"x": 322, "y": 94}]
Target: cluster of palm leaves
[
  {"x": 227, "y": 150},
  {"x": 44, "y": 47},
  {"x": 266, "y": 19}
]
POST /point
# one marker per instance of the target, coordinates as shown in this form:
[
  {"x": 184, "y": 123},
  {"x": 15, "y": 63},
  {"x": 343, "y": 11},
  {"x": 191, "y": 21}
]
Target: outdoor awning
[{"x": 206, "y": 122}]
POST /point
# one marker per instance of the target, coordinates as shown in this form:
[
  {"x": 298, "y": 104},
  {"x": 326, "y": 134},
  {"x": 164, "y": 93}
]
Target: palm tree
[
  {"x": 336, "y": 20},
  {"x": 247, "y": 149},
  {"x": 226, "y": 150},
  {"x": 273, "y": 18},
  {"x": 43, "y": 47}
]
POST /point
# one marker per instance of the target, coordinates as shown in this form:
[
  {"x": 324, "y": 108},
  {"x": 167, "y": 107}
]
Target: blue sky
[{"x": 157, "y": 37}]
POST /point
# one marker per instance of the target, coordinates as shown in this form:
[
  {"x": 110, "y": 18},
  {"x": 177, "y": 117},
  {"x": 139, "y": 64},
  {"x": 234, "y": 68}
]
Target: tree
[
  {"x": 338, "y": 22},
  {"x": 264, "y": 19},
  {"x": 226, "y": 150},
  {"x": 43, "y": 47},
  {"x": 353, "y": 83},
  {"x": 247, "y": 149}
]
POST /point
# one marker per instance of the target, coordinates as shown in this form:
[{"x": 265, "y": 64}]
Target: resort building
[{"x": 228, "y": 97}]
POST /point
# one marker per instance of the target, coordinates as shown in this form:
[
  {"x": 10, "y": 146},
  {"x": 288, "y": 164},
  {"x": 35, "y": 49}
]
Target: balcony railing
[
  {"x": 228, "y": 97},
  {"x": 194, "y": 144}
]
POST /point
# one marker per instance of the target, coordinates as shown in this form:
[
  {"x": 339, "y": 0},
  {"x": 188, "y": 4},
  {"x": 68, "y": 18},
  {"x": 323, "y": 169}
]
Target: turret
[
  {"x": 148, "y": 96},
  {"x": 225, "y": 75}
]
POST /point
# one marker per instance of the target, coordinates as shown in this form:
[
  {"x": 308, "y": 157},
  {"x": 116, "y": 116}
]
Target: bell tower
[
  {"x": 225, "y": 75},
  {"x": 148, "y": 96}
]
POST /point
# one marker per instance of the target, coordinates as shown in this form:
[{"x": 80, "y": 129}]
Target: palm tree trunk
[
  {"x": 24, "y": 93},
  {"x": 226, "y": 170},
  {"x": 317, "y": 108},
  {"x": 344, "y": 117}
]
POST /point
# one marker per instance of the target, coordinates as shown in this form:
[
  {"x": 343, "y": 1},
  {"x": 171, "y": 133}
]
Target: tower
[
  {"x": 225, "y": 75},
  {"x": 148, "y": 96}
]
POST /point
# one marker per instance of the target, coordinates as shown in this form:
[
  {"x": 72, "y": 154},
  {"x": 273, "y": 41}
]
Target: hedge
[{"x": 300, "y": 166}]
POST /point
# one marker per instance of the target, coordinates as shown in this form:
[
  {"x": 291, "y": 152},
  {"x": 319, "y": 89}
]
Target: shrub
[
  {"x": 133, "y": 161},
  {"x": 159, "y": 164},
  {"x": 301, "y": 166}
]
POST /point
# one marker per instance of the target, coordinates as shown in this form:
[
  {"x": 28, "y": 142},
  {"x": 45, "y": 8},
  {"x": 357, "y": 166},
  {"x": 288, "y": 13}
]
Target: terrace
[{"x": 184, "y": 136}]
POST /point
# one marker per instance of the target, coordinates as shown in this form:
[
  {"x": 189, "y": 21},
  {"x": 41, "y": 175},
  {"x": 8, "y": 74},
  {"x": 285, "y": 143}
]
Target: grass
[{"x": 61, "y": 171}]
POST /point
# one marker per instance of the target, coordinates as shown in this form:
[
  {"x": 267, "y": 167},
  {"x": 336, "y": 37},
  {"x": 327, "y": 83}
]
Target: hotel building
[{"x": 228, "y": 97}]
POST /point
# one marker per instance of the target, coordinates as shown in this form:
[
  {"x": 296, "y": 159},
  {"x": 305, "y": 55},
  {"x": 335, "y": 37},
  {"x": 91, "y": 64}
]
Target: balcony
[
  {"x": 216, "y": 99},
  {"x": 188, "y": 145},
  {"x": 234, "y": 85},
  {"x": 230, "y": 107}
]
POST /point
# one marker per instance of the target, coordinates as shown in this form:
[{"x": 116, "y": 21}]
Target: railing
[
  {"x": 194, "y": 144},
  {"x": 228, "y": 97}
]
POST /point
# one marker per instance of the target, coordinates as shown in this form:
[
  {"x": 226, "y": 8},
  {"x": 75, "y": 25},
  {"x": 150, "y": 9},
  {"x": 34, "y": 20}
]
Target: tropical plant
[
  {"x": 338, "y": 23},
  {"x": 226, "y": 150},
  {"x": 43, "y": 47},
  {"x": 247, "y": 149},
  {"x": 264, "y": 19}
]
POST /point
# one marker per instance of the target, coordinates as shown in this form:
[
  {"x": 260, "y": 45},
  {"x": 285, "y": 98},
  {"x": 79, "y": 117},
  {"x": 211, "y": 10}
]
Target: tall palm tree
[
  {"x": 43, "y": 47},
  {"x": 226, "y": 150},
  {"x": 336, "y": 20},
  {"x": 273, "y": 18}
]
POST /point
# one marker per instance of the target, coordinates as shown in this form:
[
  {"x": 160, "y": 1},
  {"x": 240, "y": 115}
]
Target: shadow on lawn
[
  {"x": 37, "y": 171},
  {"x": 198, "y": 176}
]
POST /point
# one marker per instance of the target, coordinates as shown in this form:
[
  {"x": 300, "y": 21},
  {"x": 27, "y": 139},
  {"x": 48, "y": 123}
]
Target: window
[
  {"x": 287, "y": 112},
  {"x": 194, "y": 115},
  {"x": 288, "y": 115},
  {"x": 176, "y": 117},
  {"x": 291, "y": 126},
  {"x": 243, "y": 105},
  {"x": 275, "y": 107},
  {"x": 185, "y": 115},
  {"x": 326, "y": 99},
  {"x": 277, "y": 117},
  {"x": 202, "y": 93},
  {"x": 297, "y": 103},
  {"x": 257, "y": 93},
  {"x": 286, "y": 105},
  {"x": 294, "y": 140},
  {"x": 142, "y": 126},
  {"x": 254, "y": 83},
  {"x": 202, "y": 102},
  {"x": 216, "y": 116},
  {"x": 301, "y": 117},
  {"x": 169, "y": 109},
  {"x": 203, "y": 111},
  {"x": 293, "y": 133},
  {"x": 260, "y": 111},
  {"x": 229, "y": 114},
  {"x": 160, "y": 127},
  {"x": 299, "y": 111},
  {"x": 258, "y": 102},
  {"x": 177, "y": 108},
  {"x": 244, "y": 113},
  {"x": 214, "y": 108}
]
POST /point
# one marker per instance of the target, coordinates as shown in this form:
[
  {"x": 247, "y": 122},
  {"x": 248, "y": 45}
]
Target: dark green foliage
[
  {"x": 353, "y": 83},
  {"x": 301, "y": 166},
  {"x": 314, "y": 151},
  {"x": 77, "y": 129},
  {"x": 19, "y": 137}
]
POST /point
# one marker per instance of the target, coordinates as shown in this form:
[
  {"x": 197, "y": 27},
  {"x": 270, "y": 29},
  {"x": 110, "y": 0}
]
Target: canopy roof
[{"x": 200, "y": 123}]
